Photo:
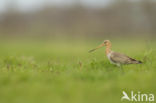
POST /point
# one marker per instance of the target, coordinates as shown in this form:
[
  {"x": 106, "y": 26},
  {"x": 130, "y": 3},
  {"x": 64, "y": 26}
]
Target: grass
[{"x": 64, "y": 72}]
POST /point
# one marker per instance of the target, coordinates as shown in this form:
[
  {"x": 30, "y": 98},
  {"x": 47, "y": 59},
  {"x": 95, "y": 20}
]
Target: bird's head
[{"x": 105, "y": 43}]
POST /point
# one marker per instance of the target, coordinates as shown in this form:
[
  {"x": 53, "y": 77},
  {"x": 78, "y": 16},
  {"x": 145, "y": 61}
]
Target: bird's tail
[
  {"x": 136, "y": 61},
  {"x": 139, "y": 62}
]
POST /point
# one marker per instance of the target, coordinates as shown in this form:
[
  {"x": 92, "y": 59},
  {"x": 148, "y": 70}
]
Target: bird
[{"x": 116, "y": 58}]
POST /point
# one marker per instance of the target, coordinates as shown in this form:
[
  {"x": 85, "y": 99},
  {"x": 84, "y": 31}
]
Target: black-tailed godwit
[{"x": 114, "y": 57}]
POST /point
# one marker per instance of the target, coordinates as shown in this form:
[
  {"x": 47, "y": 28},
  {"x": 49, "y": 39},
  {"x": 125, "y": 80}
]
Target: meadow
[{"x": 64, "y": 71}]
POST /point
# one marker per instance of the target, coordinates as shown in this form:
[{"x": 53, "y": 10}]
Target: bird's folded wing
[{"x": 120, "y": 58}]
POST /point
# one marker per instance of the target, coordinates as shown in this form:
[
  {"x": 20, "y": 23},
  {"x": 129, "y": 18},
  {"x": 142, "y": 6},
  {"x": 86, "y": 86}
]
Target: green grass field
[{"x": 64, "y": 72}]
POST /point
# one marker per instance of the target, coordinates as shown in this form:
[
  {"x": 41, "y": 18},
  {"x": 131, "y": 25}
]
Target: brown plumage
[{"x": 114, "y": 57}]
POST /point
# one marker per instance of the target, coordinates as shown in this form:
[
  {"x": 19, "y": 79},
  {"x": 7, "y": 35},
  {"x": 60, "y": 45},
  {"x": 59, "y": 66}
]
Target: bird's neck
[{"x": 108, "y": 49}]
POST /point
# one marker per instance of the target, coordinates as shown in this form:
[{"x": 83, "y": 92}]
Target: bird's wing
[{"x": 121, "y": 58}]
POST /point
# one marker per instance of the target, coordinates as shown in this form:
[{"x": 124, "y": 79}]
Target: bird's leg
[{"x": 121, "y": 67}]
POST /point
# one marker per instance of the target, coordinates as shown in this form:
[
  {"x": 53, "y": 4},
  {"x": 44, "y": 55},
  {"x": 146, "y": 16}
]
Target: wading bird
[{"x": 114, "y": 57}]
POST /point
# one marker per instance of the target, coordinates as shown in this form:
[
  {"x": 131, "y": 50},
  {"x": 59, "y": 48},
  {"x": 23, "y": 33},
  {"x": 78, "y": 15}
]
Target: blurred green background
[{"x": 44, "y": 48}]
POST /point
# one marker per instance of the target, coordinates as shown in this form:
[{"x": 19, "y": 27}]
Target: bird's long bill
[{"x": 96, "y": 48}]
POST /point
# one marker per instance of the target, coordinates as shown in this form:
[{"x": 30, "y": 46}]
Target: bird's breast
[{"x": 109, "y": 57}]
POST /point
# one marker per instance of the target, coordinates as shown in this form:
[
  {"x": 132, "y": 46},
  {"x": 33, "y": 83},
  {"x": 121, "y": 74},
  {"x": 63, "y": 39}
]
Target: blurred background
[
  {"x": 57, "y": 19},
  {"x": 44, "y": 48}
]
